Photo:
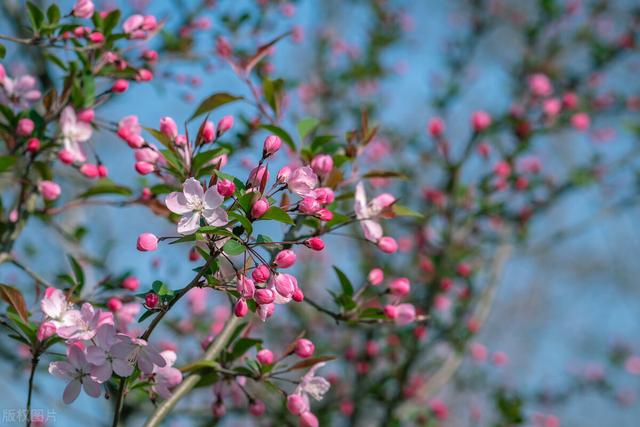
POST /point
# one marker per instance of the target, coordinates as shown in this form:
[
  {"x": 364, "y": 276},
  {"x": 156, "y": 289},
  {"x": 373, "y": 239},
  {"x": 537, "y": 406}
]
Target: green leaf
[
  {"x": 233, "y": 247},
  {"x": 246, "y": 224},
  {"x": 3, "y": 51},
  {"x": 277, "y": 214},
  {"x": 200, "y": 364},
  {"x": 36, "y": 16},
  {"x": 159, "y": 136},
  {"x": 6, "y": 162},
  {"x": 205, "y": 156},
  {"x": 306, "y": 125},
  {"x": 53, "y": 14},
  {"x": 106, "y": 186},
  {"x": 209, "y": 229},
  {"x": 14, "y": 298},
  {"x": 283, "y": 134},
  {"x": 77, "y": 270},
  {"x": 345, "y": 283},
  {"x": 111, "y": 21},
  {"x": 242, "y": 346},
  {"x": 145, "y": 315},
  {"x": 214, "y": 101},
  {"x": 401, "y": 210}
]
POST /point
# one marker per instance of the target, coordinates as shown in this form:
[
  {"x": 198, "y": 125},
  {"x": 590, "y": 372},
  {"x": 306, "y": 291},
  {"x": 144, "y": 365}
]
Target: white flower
[
  {"x": 193, "y": 203},
  {"x": 55, "y": 306},
  {"x": 312, "y": 385},
  {"x": 73, "y": 133},
  {"x": 80, "y": 324},
  {"x": 365, "y": 213},
  {"x": 77, "y": 371}
]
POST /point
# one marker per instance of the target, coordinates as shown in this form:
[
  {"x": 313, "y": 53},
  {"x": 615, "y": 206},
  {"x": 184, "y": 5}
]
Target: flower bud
[
  {"x": 103, "y": 171},
  {"x": 151, "y": 300},
  {"x": 209, "y": 131},
  {"x": 226, "y": 187},
  {"x": 265, "y": 356},
  {"x": 436, "y": 127},
  {"x": 304, "y": 348},
  {"x": 114, "y": 304},
  {"x": 271, "y": 145},
  {"x": 264, "y": 296},
  {"x": 405, "y": 314},
  {"x": 376, "y": 276},
  {"x": 314, "y": 243},
  {"x": 309, "y": 205},
  {"x": 480, "y": 120},
  {"x": 45, "y": 330},
  {"x": 285, "y": 258},
  {"x": 25, "y": 127},
  {"x": 144, "y": 75},
  {"x": 33, "y": 145},
  {"x": 284, "y": 174},
  {"x": 144, "y": 168},
  {"x": 168, "y": 127},
  {"x": 259, "y": 208},
  {"x": 390, "y": 311},
  {"x": 324, "y": 215},
  {"x": 463, "y": 269},
  {"x": 65, "y": 157},
  {"x": 307, "y": 419},
  {"x": 131, "y": 283},
  {"x": 246, "y": 287},
  {"x": 387, "y": 245},
  {"x": 400, "y": 287},
  {"x": 87, "y": 115},
  {"x": 90, "y": 170},
  {"x": 241, "y": 308},
  {"x": 83, "y": 9},
  {"x": 324, "y": 195},
  {"x": 120, "y": 86},
  {"x": 580, "y": 121},
  {"x": 96, "y": 37},
  {"x": 296, "y": 404},
  {"x": 322, "y": 164},
  {"x": 257, "y": 408},
  {"x": 225, "y": 124},
  {"x": 297, "y": 295},
  {"x": 261, "y": 273},
  {"x": 49, "y": 190},
  {"x": 147, "y": 242}
]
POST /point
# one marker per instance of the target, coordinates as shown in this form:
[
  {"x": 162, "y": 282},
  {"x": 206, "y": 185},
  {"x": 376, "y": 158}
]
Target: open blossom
[
  {"x": 193, "y": 203},
  {"x": 55, "y": 306},
  {"x": 138, "y": 26},
  {"x": 104, "y": 360},
  {"x": 19, "y": 92},
  {"x": 310, "y": 385},
  {"x": 78, "y": 371},
  {"x": 368, "y": 212},
  {"x": 73, "y": 133},
  {"x": 140, "y": 352},
  {"x": 83, "y": 9},
  {"x": 80, "y": 324},
  {"x": 129, "y": 130},
  {"x": 166, "y": 377},
  {"x": 303, "y": 181}
]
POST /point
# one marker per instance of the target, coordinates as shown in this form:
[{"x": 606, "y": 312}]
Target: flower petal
[
  {"x": 177, "y": 203},
  {"x": 122, "y": 367},
  {"x": 192, "y": 190},
  {"x": 372, "y": 230},
  {"x": 61, "y": 369},
  {"x": 101, "y": 373},
  {"x": 71, "y": 392},
  {"x": 91, "y": 387},
  {"x": 189, "y": 223},
  {"x": 96, "y": 355},
  {"x": 212, "y": 199},
  {"x": 216, "y": 217}
]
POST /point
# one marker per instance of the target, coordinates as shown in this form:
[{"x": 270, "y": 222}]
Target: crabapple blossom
[
  {"x": 25, "y": 127},
  {"x": 314, "y": 243},
  {"x": 140, "y": 352},
  {"x": 285, "y": 259},
  {"x": 49, "y": 190},
  {"x": 77, "y": 372},
  {"x": 193, "y": 203},
  {"x": 480, "y": 120},
  {"x": 259, "y": 208},
  {"x": 304, "y": 348},
  {"x": 376, "y": 276},
  {"x": 226, "y": 188},
  {"x": 225, "y": 124},
  {"x": 120, "y": 86},
  {"x": 302, "y": 181},
  {"x": 265, "y": 356},
  {"x": 83, "y": 9},
  {"x": 436, "y": 127},
  {"x": 73, "y": 134},
  {"x": 147, "y": 242},
  {"x": 166, "y": 377},
  {"x": 241, "y": 308},
  {"x": 322, "y": 164},
  {"x": 271, "y": 145},
  {"x": 261, "y": 273}
]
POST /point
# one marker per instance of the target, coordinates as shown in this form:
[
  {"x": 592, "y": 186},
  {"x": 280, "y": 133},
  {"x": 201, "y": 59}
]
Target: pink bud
[
  {"x": 405, "y": 314},
  {"x": 400, "y": 287},
  {"x": 83, "y": 9},
  {"x": 150, "y": 55},
  {"x": 25, "y": 127},
  {"x": 261, "y": 273},
  {"x": 209, "y": 131},
  {"x": 307, "y": 419},
  {"x": 264, "y": 296},
  {"x": 45, "y": 330},
  {"x": 271, "y": 145},
  {"x": 284, "y": 174},
  {"x": 387, "y": 245},
  {"x": 96, "y": 37},
  {"x": 322, "y": 164},
  {"x": 218, "y": 409},
  {"x": 180, "y": 140},
  {"x": 257, "y": 175},
  {"x": 131, "y": 283},
  {"x": 324, "y": 195},
  {"x": 297, "y": 295},
  {"x": 480, "y": 120},
  {"x": 102, "y": 171},
  {"x": 314, "y": 243},
  {"x": 226, "y": 188},
  {"x": 435, "y": 127},
  {"x": 49, "y": 190},
  {"x": 33, "y": 145},
  {"x": 114, "y": 304},
  {"x": 90, "y": 170},
  {"x": 65, "y": 157},
  {"x": 309, "y": 205},
  {"x": 324, "y": 215},
  {"x": 144, "y": 168},
  {"x": 499, "y": 358},
  {"x": 144, "y": 75},
  {"x": 120, "y": 86},
  {"x": 265, "y": 357},
  {"x": 463, "y": 269},
  {"x": 241, "y": 308},
  {"x": 225, "y": 124},
  {"x": 87, "y": 115},
  {"x": 285, "y": 259},
  {"x": 259, "y": 208},
  {"x": 245, "y": 287},
  {"x": 151, "y": 300},
  {"x": 570, "y": 100},
  {"x": 257, "y": 408},
  {"x": 376, "y": 276},
  {"x": 304, "y": 348},
  {"x": 296, "y": 404},
  {"x": 168, "y": 127},
  {"x": 390, "y": 311},
  {"x": 540, "y": 85},
  {"x": 580, "y": 121},
  {"x": 147, "y": 242}
]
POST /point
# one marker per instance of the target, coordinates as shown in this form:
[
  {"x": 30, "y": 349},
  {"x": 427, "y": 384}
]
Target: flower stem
[
  {"x": 34, "y": 365},
  {"x": 214, "y": 350},
  {"x": 119, "y": 402}
]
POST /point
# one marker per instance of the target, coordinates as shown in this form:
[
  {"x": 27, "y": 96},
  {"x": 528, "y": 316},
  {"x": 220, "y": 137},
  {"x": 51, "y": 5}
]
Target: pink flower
[
  {"x": 166, "y": 377},
  {"x": 138, "y": 26},
  {"x": 73, "y": 133},
  {"x": 404, "y": 314},
  {"x": 120, "y": 86},
  {"x": 129, "y": 130},
  {"x": 314, "y": 243},
  {"x": 265, "y": 311},
  {"x": 304, "y": 348},
  {"x": 49, "y": 190},
  {"x": 264, "y": 296},
  {"x": 376, "y": 276},
  {"x": 480, "y": 120},
  {"x": 435, "y": 127},
  {"x": 20, "y": 92},
  {"x": 245, "y": 287},
  {"x": 400, "y": 287},
  {"x": 83, "y": 9},
  {"x": 284, "y": 286},
  {"x": 25, "y": 127},
  {"x": 265, "y": 356},
  {"x": 285, "y": 259},
  {"x": 193, "y": 203},
  {"x": 226, "y": 188},
  {"x": 271, "y": 145},
  {"x": 131, "y": 283},
  {"x": 302, "y": 181},
  {"x": 322, "y": 164},
  {"x": 168, "y": 127},
  {"x": 259, "y": 208},
  {"x": 388, "y": 245},
  {"x": 80, "y": 324},
  {"x": 310, "y": 385},
  {"x": 580, "y": 121},
  {"x": 77, "y": 371},
  {"x": 147, "y": 242},
  {"x": 261, "y": 273},
  {"x": 540, "y": 85},
  {"x": 366, "y": 215},
  {"x": 141, "y": 352},
  {"x": 209, "y": 131},
  {"x": 104, "y": 360},
  {"x": 225, "y": 124}
]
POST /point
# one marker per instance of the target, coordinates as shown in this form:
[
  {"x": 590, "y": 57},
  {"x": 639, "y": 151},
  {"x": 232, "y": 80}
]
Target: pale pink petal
[
  {"x": 96, "y": 355},
  {"x": 193, "y": 190},
  {"x": 101, "y": 373},
  {"x": 189, "y": 223},
  {"x": 360, "y": 202},
  {"x": 216, "y": 217},
  {"x": 91, "y": 387},
  {"x": 177, "y": 203},
  {"x": 61, "y": 369},
  {"x": 76, "y": 357},
  {"x": 212, "y": 199},
  {"x": 71, "y": 392},
  {"x": 372, "y": 230},
  {"x": 122, "y": 367}
]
